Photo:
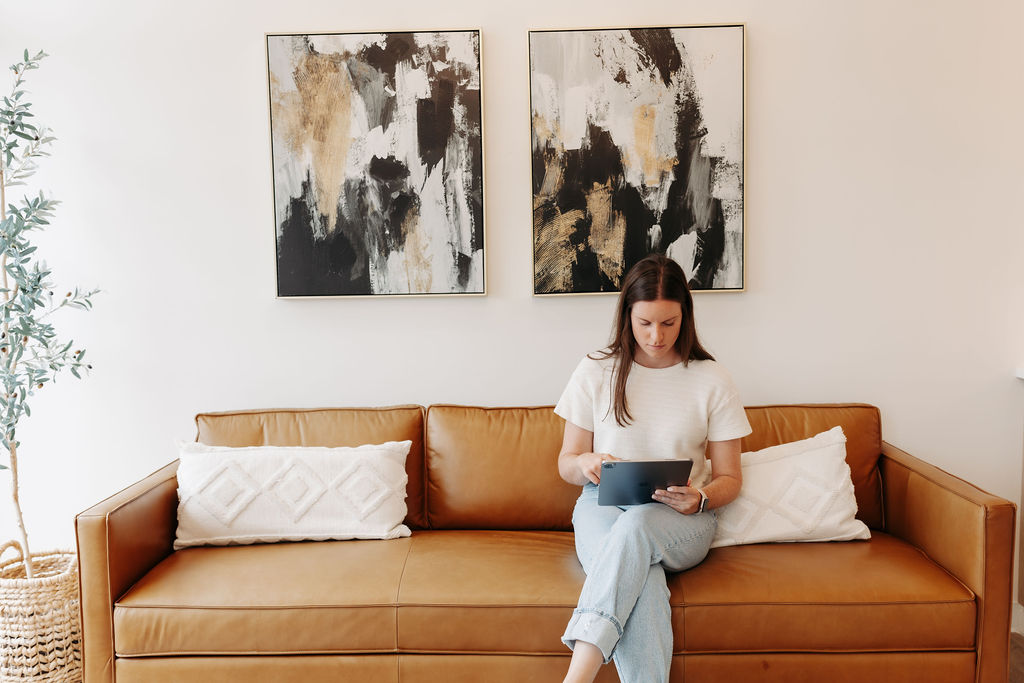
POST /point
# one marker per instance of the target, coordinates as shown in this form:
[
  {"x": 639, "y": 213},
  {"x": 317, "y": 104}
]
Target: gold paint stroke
[
  {"x": 417, "y": 262},
  {"x": 607, "y": 231},
  {"x": 546, "y": 131},
  {"x": 554, "y": 175},
  {"x": 653, "y": 166},
  {"x": 553, "y": 253},
  {"x": 322, "y": 124}
]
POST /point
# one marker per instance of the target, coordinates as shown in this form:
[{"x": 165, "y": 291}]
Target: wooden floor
[{"x": 1016, "y": 658}]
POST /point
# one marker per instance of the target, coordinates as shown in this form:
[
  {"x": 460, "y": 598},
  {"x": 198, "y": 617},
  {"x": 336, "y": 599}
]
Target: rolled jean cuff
[{"x": 594, "y": 627}]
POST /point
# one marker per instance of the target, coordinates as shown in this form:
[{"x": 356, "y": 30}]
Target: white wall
[{"x": 884, "y": 235}]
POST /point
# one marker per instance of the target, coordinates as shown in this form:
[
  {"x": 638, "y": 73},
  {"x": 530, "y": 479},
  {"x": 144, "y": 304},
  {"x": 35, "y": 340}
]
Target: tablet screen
[{"x": 633, "y": 482}]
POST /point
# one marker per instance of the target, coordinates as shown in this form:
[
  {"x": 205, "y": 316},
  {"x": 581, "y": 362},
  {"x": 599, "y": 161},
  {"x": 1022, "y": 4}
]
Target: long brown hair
[{"x": 654, "y": 277}]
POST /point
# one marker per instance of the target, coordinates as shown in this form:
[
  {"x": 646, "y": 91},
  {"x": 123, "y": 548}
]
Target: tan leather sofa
[{"x": 483, "y": 588}]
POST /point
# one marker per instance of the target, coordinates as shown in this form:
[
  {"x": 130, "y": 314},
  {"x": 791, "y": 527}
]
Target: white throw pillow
[
  {"x": 264, "y": 494},
  {"x": 799, "y": 491}
]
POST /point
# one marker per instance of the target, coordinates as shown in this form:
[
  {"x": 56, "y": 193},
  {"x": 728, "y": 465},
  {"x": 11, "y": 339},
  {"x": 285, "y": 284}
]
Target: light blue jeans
[{"x": 623, "y": 608}]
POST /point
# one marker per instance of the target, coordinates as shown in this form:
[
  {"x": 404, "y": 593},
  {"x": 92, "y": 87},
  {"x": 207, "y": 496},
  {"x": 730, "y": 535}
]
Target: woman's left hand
[{"x": 683, "y": 499}]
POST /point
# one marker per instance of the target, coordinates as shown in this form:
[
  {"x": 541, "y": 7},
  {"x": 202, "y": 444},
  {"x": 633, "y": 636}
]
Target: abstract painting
[
  {"x": 637, "y": 148},
  {"x": 377, "y": 156}
]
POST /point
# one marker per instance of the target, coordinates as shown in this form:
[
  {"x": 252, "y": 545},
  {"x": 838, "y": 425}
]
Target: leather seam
[
  {"x": 254, "y": 653},
  {"x": 398, "y": 594},
  {"x": 880, "y": 603},
  {"x": 521, "y": 653},
  {"x": 459, "y": 605},
  {"x": 109, "y": 598},
  {"x": 252, "y": 608},
  {"x": 973, "y": 501},
  {"x": 106, "y": 514},
  {"x": 352, "y": 409}
]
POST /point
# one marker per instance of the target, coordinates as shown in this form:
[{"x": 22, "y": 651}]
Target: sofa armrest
[
  {"x": 968, "y": 532},
  {"x": 119, "y": 540}
]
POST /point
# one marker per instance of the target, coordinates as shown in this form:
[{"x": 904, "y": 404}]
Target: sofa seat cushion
[
  {"x": 513, "y": 592},
  {"x": 314, "y": 597},
  {"x": 507, "y": 592},
  {"x": 877, "y": 595}
]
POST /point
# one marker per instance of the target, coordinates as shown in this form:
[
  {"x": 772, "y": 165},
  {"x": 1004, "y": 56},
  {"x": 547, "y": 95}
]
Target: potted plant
[{"x": 39, "y": 618}]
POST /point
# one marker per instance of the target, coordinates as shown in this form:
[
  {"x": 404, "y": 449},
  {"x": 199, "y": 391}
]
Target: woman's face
[{"x": 656, "y": 327}]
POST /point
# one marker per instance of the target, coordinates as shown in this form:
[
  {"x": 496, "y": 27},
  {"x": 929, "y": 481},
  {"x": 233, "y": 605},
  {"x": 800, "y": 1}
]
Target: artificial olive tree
[{"x": 31, "y": 355}]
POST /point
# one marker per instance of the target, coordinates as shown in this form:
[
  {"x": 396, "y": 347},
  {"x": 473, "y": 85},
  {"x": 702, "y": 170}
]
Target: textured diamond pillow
[
  {"x": 799, "y": 491},
  {"x": 263, "y": 494}
]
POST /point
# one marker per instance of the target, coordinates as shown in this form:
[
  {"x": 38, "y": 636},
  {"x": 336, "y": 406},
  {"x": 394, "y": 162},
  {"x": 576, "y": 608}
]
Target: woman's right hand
[{"x": 589, "y": 465}]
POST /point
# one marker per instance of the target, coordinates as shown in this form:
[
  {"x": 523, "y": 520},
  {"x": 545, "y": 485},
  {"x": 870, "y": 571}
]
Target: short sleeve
[
  {"x": 577, "y": 402},
  {"x": 728, "y": 419}
]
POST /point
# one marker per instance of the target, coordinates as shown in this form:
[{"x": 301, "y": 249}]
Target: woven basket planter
[{"x": 40, "y": 627}]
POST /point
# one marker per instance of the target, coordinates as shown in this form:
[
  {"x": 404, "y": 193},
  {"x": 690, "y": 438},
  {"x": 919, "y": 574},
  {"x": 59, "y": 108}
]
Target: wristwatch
[{"x": 703, "y": 500}]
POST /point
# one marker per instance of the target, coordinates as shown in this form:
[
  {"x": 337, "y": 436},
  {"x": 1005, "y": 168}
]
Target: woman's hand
[
  {"x": 683, "y": 499},
  {"x": 589, "y": 465},
  {"x": 577, "y": 464},
  {"x": 726, "y": 478}
]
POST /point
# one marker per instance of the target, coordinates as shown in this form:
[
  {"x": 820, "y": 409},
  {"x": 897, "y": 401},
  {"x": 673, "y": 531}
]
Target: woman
[{"x": 654, "y": 393}]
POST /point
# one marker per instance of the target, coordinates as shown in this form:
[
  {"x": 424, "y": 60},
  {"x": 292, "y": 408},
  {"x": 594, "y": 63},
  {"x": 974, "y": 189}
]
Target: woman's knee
[
  {"x": 665, "y": 527},
  {"x": 642, "y": 522}
]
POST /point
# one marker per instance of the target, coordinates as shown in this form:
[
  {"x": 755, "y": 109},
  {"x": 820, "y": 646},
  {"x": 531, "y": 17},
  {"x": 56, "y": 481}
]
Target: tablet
[{"x": 632, "y": 482}]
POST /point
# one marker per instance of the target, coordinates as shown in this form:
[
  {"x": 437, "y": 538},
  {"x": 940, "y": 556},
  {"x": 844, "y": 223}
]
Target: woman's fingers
[
  {"x": 590, "y": 465},
  {"x": 680, "y": 498}
]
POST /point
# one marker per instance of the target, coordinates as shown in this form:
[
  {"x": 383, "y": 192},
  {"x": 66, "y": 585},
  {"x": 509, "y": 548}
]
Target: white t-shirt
[{"x": 676, "y": 411}]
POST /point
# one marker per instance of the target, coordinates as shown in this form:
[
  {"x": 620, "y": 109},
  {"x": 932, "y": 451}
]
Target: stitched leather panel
[
  {"x": 260, "y": 669},
  {"x": 316, "y": 597},
  {"x": 512, "y": 592},
  {"x": 877, "y": 595},
  {"x": 496, "y": 468},
  {"x": 908, "y": 667}
]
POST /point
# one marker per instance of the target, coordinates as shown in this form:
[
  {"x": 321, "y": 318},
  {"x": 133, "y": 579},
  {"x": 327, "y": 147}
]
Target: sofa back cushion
[
  {"x": 774, "y": 425},
  {"x": 496, "y": 468},
  {"x": 327, "y": 427}
]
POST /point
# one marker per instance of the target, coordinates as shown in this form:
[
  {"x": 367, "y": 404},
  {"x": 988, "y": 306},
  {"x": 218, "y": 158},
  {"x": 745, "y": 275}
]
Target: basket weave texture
[{"x": 40, "y": 627}]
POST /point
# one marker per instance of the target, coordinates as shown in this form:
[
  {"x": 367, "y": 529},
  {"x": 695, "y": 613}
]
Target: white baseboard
[{"x": 1017, "y": 622}]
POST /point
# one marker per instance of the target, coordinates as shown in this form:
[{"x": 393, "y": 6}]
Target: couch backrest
[
  {"x": 326, "y": 427},
  {"x": 496, "y": 468},
  {"x": 862, "y": 425}
]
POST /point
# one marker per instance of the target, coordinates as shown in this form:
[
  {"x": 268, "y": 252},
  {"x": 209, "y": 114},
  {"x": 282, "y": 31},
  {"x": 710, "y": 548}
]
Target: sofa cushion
[
  {"x": 471, "y": 451},
  {"x": 327, "y": 427},
  {"x": 877, "y": 595},
  {"x": 862, "y": 424},
  {"x": 315, "y": 597},
  {"x": 488, "y": 591},
  {"x": 513, "y": 592},
  {"x": 496, "y": 468}
]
